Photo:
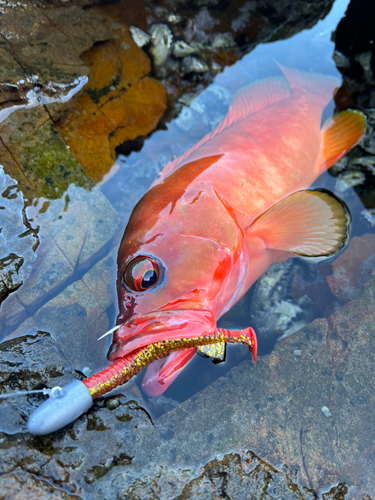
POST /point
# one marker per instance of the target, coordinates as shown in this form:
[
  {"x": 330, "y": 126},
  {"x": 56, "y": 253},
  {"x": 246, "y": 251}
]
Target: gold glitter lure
[
  {"x": 68, "y": 403},
  {"x": 127, "y": 367}
]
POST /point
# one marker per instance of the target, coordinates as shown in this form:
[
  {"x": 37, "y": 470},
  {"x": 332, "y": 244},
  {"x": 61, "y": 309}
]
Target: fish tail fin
[
  {"x": 340, "y": 133},
  {"x": 322, "y": 86}
]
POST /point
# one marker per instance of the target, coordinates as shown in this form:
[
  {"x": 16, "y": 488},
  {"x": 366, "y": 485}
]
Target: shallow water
[{"x": 75, "y": 299}]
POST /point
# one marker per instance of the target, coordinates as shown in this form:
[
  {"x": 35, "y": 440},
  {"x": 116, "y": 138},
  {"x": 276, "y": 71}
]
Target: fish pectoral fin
[
  {"x": 309, "y": 223},
  {"x": 214, "y": 351},
  {"x": 340, "y": 133}
]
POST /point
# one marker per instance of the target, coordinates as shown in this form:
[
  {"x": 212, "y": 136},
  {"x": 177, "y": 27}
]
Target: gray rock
[
  {"x": 274, "y": 313},
  {"x": 18, "y": 241},
  {"x": 273, "y": 409},
  {"x": 222, "y": 41}
]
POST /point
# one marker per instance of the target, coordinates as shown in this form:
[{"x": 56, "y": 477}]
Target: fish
[
  {"x": 219, "y": 215},
  {"x": 214, "y": 220}
]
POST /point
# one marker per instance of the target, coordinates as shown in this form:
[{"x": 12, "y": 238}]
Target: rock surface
[
  {"x": 309, "y": 405},
  {"x": 352, "y": 267},
  {"x": 18, "y": 241}
]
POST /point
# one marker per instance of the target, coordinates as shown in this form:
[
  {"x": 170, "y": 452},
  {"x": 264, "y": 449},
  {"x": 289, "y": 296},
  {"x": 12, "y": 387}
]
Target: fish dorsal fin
[
  {"x": 255, "y": 97},
  {"x": 247, "y": 101},
  {"x": 315, "y": 84},
  {"x": 340, "y": 134},
  {"x": 306, "y": 223}
]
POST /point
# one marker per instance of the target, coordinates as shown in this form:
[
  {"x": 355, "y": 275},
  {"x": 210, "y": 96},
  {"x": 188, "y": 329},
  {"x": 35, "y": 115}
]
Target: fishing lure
[{"x": 67, "y": 404}]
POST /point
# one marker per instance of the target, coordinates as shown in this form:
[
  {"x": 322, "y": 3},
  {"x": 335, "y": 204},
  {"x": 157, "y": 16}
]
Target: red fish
[{"x": 227, "y": 209}]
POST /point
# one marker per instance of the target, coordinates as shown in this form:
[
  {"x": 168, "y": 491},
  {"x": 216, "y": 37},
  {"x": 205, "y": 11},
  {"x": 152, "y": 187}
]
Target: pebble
[
  {"x": 297, "y": 353},
  {"x": 140, "y": 37},
  {"x": 349, "y": 179},
  {"x": 182, "y": 49},
  {"x": 113, "y": 403},
  {"x": 223, "y": 41},
  {"x": 194, "y": 65},
  {"x": 161, "y": 40},
  {"x": 326, "y": 412},
  {"x": 86, "y": 371}
]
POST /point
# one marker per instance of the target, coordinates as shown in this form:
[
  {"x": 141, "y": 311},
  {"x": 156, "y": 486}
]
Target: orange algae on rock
[{"x": 119, "y": 103}]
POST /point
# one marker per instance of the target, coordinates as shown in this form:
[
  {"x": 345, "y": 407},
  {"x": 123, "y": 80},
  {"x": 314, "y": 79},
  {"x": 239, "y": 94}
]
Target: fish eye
[{"x": 143, "y": 273}]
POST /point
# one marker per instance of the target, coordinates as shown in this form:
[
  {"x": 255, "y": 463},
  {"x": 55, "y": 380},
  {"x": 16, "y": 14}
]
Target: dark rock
[
  {"x": 352, "y": 267},
  {"x": 273, "y": 409},
  {"x": 18, "y": 241}
]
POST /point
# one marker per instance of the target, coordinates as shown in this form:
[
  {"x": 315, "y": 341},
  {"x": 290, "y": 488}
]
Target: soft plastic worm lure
[{"x": 70, "y": 402}]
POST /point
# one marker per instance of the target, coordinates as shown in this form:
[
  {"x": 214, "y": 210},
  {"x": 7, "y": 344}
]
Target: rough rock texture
[
  {"x": 17, "y": 240},
  {"x": 119, "y": 103},
  {"x": 352, "y": 267},
  {"x": 309, "y": 405},
  {"x": 42, "y": 49}
]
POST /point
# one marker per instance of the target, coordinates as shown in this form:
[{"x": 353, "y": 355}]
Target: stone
[
  {"x": 140, "y": 37},
  {"x": 39, "y": 160},
  {"x": 119, "y": 103},
  {"x": 273, "y": 409},
  {"x": 76, "y": 232},
  {"x": 273, "y": 312},
  {"x": 351, "y": 269},
  {"x": 161, "y": 41},
  {"x": 18, "y": 241}
]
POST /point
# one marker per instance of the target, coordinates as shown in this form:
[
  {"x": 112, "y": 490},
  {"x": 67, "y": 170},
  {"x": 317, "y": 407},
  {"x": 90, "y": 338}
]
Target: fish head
[
  {"x": 168, "y": 289},
  {"x": 175, "y": 262}
]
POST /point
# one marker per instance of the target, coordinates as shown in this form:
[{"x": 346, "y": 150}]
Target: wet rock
[
  {"x": 369, "y": 215},
  {"x": 355, "y": 40},
  {"x": 222, "y": 41},
  {"x": 71, "y": 460},
  {"x": 273, "y": 409},
  {"x": 18, "y": 241},
  {"x": 349, "y": 179},
  {"x": 32, "y": 362},
  {"x": 119, "y": 103},
  {"x": 182, "y": 49},
  {"x": 69, "y": 231},
  {"x": 36, "y": 156},
  {"x": 351, "y": 269},
  {"x": 41, "y": 49},
  {"x": 273, "y": 311}
]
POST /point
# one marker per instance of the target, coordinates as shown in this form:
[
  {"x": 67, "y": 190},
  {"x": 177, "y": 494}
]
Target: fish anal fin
[
  {"x": 310, "y": 223},
  {"x": 257, "y": 96},
  {"x": 162, "y": 372},
  {"x": 340, "y": 133}
]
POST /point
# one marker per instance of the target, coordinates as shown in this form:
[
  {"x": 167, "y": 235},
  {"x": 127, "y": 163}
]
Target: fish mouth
[{"x": 157, "y": 326}]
